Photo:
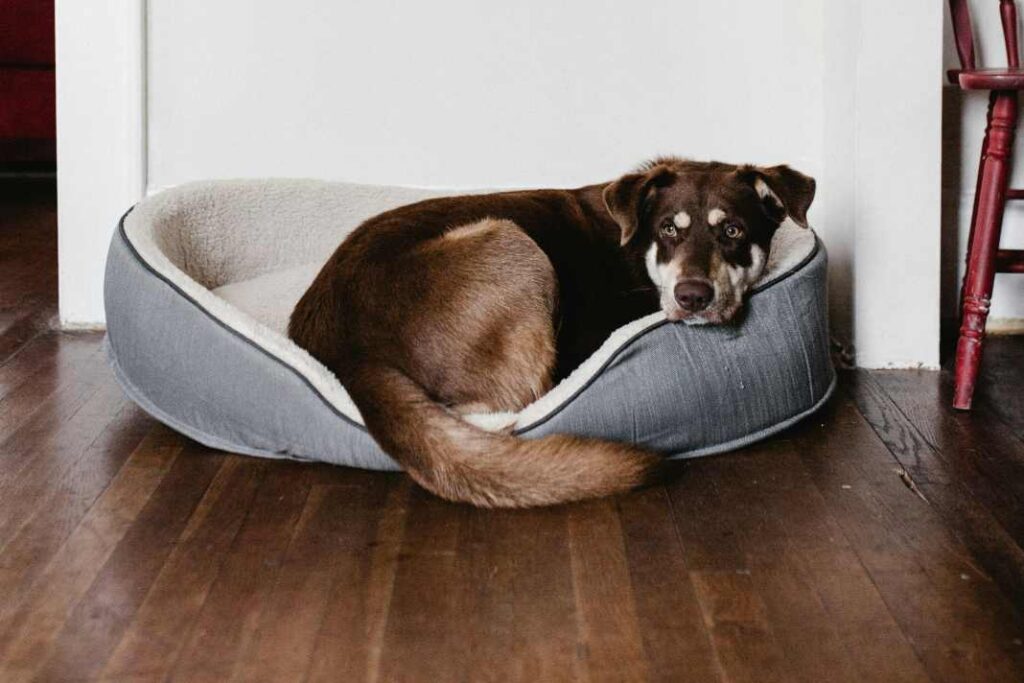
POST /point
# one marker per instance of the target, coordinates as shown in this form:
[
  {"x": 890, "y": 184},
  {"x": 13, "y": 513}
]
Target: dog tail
[{"x": 455, "y": 460}]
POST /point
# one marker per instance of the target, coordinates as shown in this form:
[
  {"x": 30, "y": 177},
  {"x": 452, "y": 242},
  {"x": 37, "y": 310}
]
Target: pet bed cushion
[{"x": 201, "y": 279}]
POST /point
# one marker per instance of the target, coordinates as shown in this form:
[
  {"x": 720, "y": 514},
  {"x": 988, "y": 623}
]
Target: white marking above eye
[
  {"x": 682, "y": 220},
  {"x": 715, "y": 216}
]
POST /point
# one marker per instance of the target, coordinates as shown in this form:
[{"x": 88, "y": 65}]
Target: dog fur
[{"x": 480, "y": 302}]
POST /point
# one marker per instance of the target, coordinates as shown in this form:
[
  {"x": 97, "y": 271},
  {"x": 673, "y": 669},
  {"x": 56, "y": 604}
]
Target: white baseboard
[
  {"x": 71, "y": 326},
  {"x": 1005, "y": 326}
]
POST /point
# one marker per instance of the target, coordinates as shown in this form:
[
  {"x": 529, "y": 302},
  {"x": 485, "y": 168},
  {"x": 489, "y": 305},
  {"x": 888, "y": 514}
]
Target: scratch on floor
[{"x": 909, "y": 483}]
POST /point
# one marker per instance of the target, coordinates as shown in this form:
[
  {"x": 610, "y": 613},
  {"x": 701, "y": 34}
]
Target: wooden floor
[{"x": 878, "y": 541}]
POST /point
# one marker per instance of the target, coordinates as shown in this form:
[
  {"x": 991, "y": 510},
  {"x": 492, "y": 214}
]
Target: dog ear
[
  {"x": 625, "y": 197},
  {"x": 785, "y": 190}
]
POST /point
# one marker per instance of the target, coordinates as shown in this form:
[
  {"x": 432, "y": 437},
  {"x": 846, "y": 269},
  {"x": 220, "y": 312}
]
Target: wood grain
[
  {"x": 100, "y": 618},
  {"x": 227, "y": 622},
  {"x": 355, "y": 647},
  {"x": 328, "y": 557},
  {"x": 878, "y": 540},
  {"x": 157, "y": 633},
  {"x": 959, "y": 624},
  {"x": 669, "y": 616},
  {"x": 423, "y": 634},
  {"x": 44, "y": 607},
  {"x": 611, "y": 647},
  {"x": 953, "y": 486}
]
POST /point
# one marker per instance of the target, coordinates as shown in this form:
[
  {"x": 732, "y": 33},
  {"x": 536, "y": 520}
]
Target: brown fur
[
  {"x": 459, "y": 304},
  {"x": 460, "y": 462}
]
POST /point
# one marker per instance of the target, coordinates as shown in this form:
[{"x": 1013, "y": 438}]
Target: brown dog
[{"x": 481, "y": 302}]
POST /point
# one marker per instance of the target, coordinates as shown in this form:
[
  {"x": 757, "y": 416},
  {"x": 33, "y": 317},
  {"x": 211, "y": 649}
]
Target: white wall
[
  {"x": 964, "y": 130},
  {"x": 895, "y": 74},
  {"x": 464, "y": 93},
  {"x": 456, "y": 93},
  {"x": 100, "y": 142}
]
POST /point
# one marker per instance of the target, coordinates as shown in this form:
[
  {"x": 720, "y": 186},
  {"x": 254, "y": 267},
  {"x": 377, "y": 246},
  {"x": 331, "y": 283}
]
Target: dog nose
[{"x": 694, "y": 295}]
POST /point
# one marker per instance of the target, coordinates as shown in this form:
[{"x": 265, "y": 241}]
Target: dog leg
[{"x": 490, "y": 322}]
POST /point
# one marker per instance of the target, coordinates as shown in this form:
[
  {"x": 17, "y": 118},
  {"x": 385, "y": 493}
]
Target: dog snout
[{"x": 694, "y": 295}]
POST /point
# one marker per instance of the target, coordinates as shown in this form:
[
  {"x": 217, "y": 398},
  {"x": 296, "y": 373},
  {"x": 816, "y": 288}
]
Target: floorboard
[
  {"x": 880, "y": 539},
  {"x": 1002, "y": 374},
  {"x": 608, "y": 628},
  {"x": 29, "y": 625},
  {"x": 951, "y": 482},
  {"x": 226, "y": 623},
  {"x": 957, "y": 620},
  {"x": 100, "y": 618},
  {"x": 669, "y": 616},
  {"x": 157, "y": 632}
]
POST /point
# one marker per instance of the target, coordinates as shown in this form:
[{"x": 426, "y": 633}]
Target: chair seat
[{"x": 991, "y": 79}]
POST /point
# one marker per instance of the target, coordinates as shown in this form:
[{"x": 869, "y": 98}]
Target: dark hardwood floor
[{"x": 880, "y": 540}]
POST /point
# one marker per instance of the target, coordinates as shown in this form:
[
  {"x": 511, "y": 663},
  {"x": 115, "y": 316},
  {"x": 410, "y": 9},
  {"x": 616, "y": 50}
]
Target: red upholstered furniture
[
  {"x": 984, "y": 257},
  {"x": 27, "y": 87}
]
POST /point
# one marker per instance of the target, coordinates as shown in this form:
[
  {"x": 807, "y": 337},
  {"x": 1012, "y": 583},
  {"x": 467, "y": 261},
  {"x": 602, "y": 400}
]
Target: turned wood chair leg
[
  {"x": 990, "y": 201},
  {"x": 974, "y": 211}
]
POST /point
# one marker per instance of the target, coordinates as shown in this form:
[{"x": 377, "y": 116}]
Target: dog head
[{"x": 704, "y": 229}]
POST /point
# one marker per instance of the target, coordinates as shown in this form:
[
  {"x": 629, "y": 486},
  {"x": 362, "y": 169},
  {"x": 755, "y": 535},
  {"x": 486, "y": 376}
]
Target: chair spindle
[{"x": 1008, "y": 12}]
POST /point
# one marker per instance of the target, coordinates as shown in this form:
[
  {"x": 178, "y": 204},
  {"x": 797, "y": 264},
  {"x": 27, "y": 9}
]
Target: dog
[{"x": 481, "y": 303}]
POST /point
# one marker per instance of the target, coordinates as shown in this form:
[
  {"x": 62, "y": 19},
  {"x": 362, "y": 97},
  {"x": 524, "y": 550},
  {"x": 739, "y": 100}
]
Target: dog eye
[
  {"x": 733, "y": 231},
  {"x": 668, "y": 229}
]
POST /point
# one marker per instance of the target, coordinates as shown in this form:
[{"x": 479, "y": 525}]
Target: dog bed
[{"x": 201, "y": 279}]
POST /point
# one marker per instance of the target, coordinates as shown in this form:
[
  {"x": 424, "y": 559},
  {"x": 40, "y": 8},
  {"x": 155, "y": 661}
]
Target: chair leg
[
  {"x": 974, "y": 209},
  {"x": 986, "y": 226}
]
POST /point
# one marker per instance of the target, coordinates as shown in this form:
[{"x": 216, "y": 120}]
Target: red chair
[{"x": 984, "y": 257}]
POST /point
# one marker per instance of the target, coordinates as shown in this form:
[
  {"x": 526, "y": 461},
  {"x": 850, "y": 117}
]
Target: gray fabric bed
[{"x": 200, "y": 281}]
